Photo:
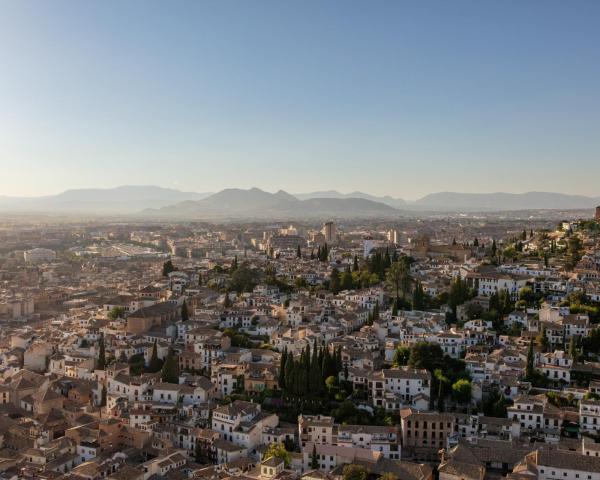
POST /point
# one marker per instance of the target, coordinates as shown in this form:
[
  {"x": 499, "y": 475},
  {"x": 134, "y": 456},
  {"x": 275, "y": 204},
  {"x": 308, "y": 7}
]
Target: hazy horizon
[
  {"x": 397, "y": 197},
  {"x": 395, "y": 98}
]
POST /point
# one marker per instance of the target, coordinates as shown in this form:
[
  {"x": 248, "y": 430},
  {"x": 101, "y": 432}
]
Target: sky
[{"x": 402, "y": 98}]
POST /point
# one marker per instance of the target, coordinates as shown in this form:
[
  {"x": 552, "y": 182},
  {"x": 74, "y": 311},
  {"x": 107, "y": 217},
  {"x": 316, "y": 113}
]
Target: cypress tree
[
  {"x": 376, "y": 311},
  {"x": 529, "y": 367},
  {"x": 573, "y": 348},
  {"x": 327, "y": 366},
  {"x": 185, "y": 316},
  {"x": 306, "y": 367},
  {"x": 289, "y": 372},
  {"x": 155, "y": 364},
  {"x": 355, "y": 266},
  {"x": 418, "y": 296},
  {"x": 170, "y": 369},
  {"x": 103, "y": 396},
  {"x": 334, "y": 280},
  {"x": 282, "y": 369},
  {"x": 314, "y": 463},
  {"x": 315, "y": 378},
  {"x": 301, "y": 379},
  {"x": 101, "y": 354},
  {"x": 167, "y": 268},
  {"x": 338, "y": 361},
  {"x": 227, "y": 300},
  {"x": 298, "y": 252}
]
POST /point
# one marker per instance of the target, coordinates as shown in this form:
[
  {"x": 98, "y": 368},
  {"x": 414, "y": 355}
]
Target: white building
[
  {"x": 36, "y": 255},
  {"x": 589, "y": 415}
]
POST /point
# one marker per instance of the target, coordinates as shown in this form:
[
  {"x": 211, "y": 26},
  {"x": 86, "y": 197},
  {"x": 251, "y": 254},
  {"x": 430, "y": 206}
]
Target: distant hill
[
  {"x": 238, "y": 203},
  {"x": 392, "y": 202},
  {"x": 256, "y": 203},
  {"x": 127, "y": 199},
  {"x": 506, "y": 201}
]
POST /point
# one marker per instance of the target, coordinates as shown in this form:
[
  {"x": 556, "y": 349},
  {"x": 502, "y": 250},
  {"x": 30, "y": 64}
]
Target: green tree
[
  {"x": 101, "y": 365},
  {"x": 442, "y": 381},
  {"x": 330, "y": 382},
  {"x": 573, "y": 352},
  {"x": 324, "y": 253},
  {"x": 574, "y": 251},
  {"x": 198, "y": 452},
  {"x": 167, "y": 268},
  {"x": 388, "y": 476},
  {"x": 155, "y": 363},
  {"x": 227, "y": 300},
  {"x": 526, "y": 295},
  {"x": 418, "y": 296},
  {"x": 347, "y": 280},
  {"x": 277, "y": 450},
  {"x": 401, "y": 356},
  {"x": 282, "y": 362},
  {"x": 116, "y": 312},
  {"x": 429, "y": 356},
  {"x": 299, "y": 252},
  {"x": 542, "y": 339},
  {"x": 244, "y": 278},
  {"x": 375, "y": 312},
  {"x": 459, "y": 294},
  {"x": 398, "y": 278},
  {"x": 314, "y": 462},
  {"x": 170, "y": 368},
  {"x": 103, "y": 395},
  {"x": 494, "y": 405},
  {"x": 185, "y": 316},
  {"x": 461, "y": 391},
  {"x": 530, "y": 365},
  {"x": 234, "y": 265},
  {"x": 334, "y": 280},
  {"x": 355, "y": 265},
  {"x": 353, "y": 471}
]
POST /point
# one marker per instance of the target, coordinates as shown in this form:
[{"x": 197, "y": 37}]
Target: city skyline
[{"x": 402, "y": 100}]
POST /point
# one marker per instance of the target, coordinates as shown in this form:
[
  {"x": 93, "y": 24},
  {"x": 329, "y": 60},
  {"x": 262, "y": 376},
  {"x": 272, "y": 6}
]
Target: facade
[
  {"x": 38, "y": 255},
  {"x": 329, "y": 231}
]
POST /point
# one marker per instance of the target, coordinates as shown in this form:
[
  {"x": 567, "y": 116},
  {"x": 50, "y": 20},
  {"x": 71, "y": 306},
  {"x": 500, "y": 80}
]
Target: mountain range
[
  {"x": 508, "y": 201},
  {"x": 120, "y": 200},
  {"x": 256, "y": 203},
  {"x": 153, "y": 201}
]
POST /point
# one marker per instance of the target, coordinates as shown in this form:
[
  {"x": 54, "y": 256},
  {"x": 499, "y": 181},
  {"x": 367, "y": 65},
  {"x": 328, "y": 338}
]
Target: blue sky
[{"x": 389, "y": 97}]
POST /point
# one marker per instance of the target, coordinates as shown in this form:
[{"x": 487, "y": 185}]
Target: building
[
  {"x": 425, "y": 433},
  {"x": 397, "y": 387},
  {"x": 157, "y": 315},
  {"x": 488, "y": 283},
  {"x": 552, "y": 464},
  {"x": 589, "y": 415},
  {"x": 36, "y": 255},
  {"x": 330, "y": 232}
]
